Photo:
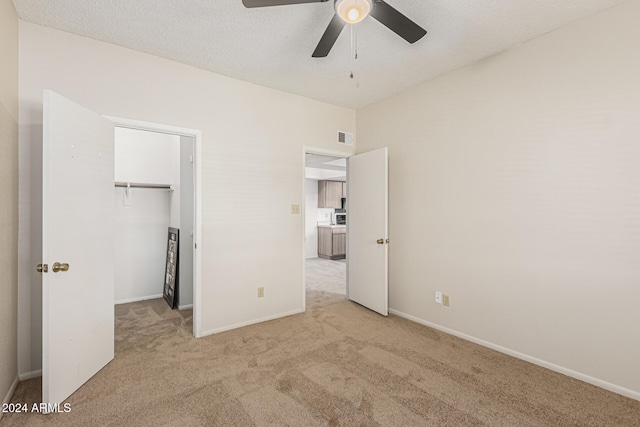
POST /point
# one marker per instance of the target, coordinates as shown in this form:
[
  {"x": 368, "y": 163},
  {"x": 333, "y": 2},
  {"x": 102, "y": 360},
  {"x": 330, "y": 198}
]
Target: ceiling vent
[{"x": 345, "y": 138}]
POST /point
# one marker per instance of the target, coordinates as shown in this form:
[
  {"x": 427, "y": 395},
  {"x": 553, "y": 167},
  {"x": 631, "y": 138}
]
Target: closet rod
[{"x": 138, "y": 185}]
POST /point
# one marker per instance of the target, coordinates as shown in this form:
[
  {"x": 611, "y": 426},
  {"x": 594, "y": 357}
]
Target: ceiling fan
[{"x": 351, "y": 12}]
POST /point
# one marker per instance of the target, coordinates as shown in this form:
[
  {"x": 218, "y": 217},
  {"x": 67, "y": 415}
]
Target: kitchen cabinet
[
  {"x": 332, "y": 241},
  {"x": 330, "y": 194},
  {"x": 344, "y": 189}
]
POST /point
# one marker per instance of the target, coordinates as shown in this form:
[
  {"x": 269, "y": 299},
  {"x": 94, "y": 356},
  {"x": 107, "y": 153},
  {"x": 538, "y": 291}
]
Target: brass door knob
[
  {"x": 380, "y": 241},
  {"x": 59, "y": 267},
  {"x": 42, "y": 268}
]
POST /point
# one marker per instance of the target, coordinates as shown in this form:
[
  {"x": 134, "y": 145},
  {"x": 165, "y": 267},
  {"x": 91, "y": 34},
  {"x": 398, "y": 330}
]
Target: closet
[{"x": 153, "y": 191}]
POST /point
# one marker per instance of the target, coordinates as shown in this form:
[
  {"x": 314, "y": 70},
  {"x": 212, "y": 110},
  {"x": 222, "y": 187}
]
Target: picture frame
[{"x": 171, "y": 283}]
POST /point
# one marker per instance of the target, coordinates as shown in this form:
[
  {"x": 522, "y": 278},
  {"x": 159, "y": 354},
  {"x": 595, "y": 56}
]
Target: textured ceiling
[{"x": 272, "y": 46}]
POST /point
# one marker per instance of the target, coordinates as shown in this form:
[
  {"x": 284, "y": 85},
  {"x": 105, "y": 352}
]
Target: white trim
[
  {"x": 30, "y": 375},
  {"x": 197, "y": 239},
  {"x": 128, "y": 300},
  {"x": 552, "y": 366},
  {"x": 152, "y": 127},
  {"x": 185, "y": 307},
  {"x": 9, "y": 395},
  {"x": 303, "y": 211},
  {"x": 251, "y": 322},
  {"x": 197, "y": 201}
]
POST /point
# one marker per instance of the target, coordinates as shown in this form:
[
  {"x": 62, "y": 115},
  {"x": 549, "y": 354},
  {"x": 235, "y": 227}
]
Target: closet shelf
[{"x": 141, "y": 185}]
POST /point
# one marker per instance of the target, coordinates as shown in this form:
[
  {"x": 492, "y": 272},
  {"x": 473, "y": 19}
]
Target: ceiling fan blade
[
  {"x": 329, "y": 37},
  {"x": 397, "y": 22},
  {"x": 266, "y": 3}
]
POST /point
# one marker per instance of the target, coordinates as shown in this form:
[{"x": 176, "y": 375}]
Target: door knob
[
  {"x": 42, "y": 268},
  {"x": 59, "y": 267},
  {"x": 380, "y": 241}
]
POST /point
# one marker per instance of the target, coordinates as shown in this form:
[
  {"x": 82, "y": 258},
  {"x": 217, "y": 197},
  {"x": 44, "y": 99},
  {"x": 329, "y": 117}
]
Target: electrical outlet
[
  {"x": 260, "y": 292},
  {"x": 295, "y": 209},
  {"x": 438, "y": 297},
  {"x": 445, "y": 300}
]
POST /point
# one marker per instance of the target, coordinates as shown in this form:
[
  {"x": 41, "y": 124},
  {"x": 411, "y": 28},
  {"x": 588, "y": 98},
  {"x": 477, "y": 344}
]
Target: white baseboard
[
  {"x": 185, "y": 307},
  {"x": 9, "y": 395},
  {"x": 552, "y": 366},
  {"x": 125, "y": 301},
  {"x": 30, "y": 375},
  {"x": 250, "y": 322}
]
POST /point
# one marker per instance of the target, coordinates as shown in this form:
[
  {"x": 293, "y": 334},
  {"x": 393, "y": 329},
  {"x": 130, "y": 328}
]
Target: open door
[
  {"x": 77, "y": 246},
  {"x": 367, "y": 230}
]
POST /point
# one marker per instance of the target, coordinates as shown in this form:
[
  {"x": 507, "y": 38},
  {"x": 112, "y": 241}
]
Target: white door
[
  {"x": 367, "y": 230},
  {"x": 77, "y": 229}
]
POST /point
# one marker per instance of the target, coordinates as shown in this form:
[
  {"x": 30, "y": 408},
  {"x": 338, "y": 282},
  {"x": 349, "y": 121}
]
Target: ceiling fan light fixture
[{"x": 353, "y": 11}]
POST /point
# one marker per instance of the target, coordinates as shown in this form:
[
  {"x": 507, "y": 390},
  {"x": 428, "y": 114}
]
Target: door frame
[
  {"x": 322, "y": 152},
  {"x": 197, "y": 201}
]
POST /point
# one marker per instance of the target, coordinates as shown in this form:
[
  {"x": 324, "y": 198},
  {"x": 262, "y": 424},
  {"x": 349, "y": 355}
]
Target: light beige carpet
[{"x": 336, "y": 364}]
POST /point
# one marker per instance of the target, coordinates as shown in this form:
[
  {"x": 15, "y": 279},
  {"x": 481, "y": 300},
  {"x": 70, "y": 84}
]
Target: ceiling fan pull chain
[
  {"x": 356, "y": 48},
  {"x": 351, "y": 50}
]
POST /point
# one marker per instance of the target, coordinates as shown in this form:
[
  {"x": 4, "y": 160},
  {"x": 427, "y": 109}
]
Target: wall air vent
[{"x": 345, "y": 138}]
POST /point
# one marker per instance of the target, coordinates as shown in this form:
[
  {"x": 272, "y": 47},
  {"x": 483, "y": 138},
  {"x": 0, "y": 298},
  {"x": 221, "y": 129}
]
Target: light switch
[{"x": 295, "y": 209}]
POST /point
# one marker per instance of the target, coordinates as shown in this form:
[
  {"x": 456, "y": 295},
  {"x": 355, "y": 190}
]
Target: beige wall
[
  {"x": 252, "y": 169},
  {"x": 9, "y": 203},
  {"x": 515, "y": 189}
]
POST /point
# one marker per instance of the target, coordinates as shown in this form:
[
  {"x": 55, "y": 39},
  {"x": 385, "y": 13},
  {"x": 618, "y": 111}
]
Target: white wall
[
  {"x": 175, "y": 196},
  {"x": 514, "y": 189},
  {"x": 250, "y": 157},
  {"x": 145, "y": 157},
  {"x": 141, "y": 244},
  {"x": 324, "y": 215},
  {"x": 185, "y": 268},
  {"x": 9, "y": 205}
]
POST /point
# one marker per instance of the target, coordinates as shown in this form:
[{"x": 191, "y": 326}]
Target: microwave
[{"x": 340, "y": 218}]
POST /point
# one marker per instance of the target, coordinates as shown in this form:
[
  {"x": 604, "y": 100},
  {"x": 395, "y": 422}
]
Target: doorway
[
  {"x": 325, "y": 226},
  {"x": 153, "y": 192},
  {"x": 77, "y": 241},
  {"x": 168, "y": 195},
  {"x": 367, "y": 230}
]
